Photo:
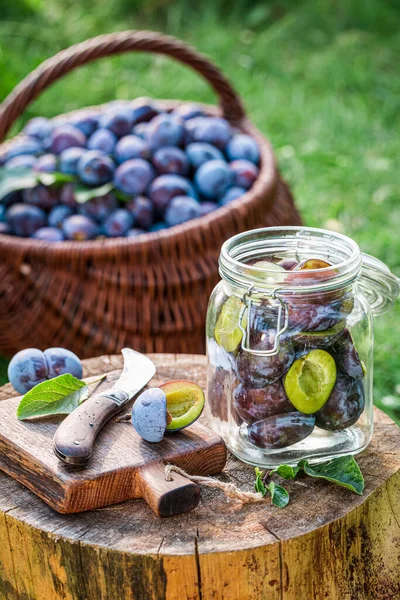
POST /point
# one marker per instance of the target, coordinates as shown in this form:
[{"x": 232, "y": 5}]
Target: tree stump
[{"x": 327, "y": 544}]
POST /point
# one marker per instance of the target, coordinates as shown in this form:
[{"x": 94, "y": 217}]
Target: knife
[{"x": 75, "y": 437}]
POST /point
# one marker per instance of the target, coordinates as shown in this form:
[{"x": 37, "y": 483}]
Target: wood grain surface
[
  {"x": 122, "y": 466},
  {"x": 327, "y": 544}
]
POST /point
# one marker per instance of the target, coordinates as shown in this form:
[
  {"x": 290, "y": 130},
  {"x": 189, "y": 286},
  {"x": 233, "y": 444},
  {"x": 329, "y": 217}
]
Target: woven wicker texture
[{"x": 150, "y": 293}]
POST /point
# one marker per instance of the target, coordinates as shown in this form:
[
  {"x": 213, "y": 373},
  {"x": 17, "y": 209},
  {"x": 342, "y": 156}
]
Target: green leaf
[
  {"x": 286, "y": 471},
  {"x": 84, "y": 194},
  {"x": 343, "y": 470},
  {"x": 17, "y": 179},
  {"x": 259, "y": 484},
  {"x": 49, "y": 179},
  {"x": 60, "y": 395},
  {"x": 279, "y": 496}
]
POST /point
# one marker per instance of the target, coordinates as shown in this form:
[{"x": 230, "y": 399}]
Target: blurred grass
[{"x": 319, "y": 78}]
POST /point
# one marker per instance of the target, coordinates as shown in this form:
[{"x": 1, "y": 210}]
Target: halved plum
[
  {"x": 310, "y": 381},
  {"x": 280, "y": 431},
  {"x": 185, "y": 403},
  {"x": 227, "y": 331}
]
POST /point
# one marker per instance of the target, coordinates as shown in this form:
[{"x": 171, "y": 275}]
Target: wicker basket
[{"x": 150, "y": 293}]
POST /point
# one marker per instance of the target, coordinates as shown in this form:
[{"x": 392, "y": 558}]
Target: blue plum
[
  {"x": 213, "y": 178},
  {"x": 26, "y": 369},
  {"x": 60, "y": 361},
  {"x": 79, "y": 228},
  {"x": 49, "y": 234},
  {"x": 25, "y": 219},
  {"x": 86, "y": 121},
  {"x": 133, "y": 176},
  {"x": 95, "y": 168},
  {"x": 69, "y": 160},
  {"x": 134, "y": 232},
  {"x": 118, "y": 223},
  {"x": 182, "y": 209},
  {"x": 42, "y": 196},
  {"x": 66, "y": 136},
  {"x": 144, "y": 111},
  {"x": 141, "y": 130},
  {"x": 118, "y": 119},
  {"x": 131, "y": 146},
  {"x": 38, "y": 127},
  {"x": 243, "y": 146},
  {"x": 58, "y": 214},
  {"x": 47, "y": 163},
  {"x": 24, "y": 146},
  {"x": 245, "y": 173},
  {"x": 213, "y": 130},
  {"x": 149, "y": 415},
  {"x": 166, "y": 187},
  {"x": 12, "y": 198},
  {"x": 67, "y": 195},
  {"x": 102, "y": 139},
  {"x": 99, "y": 208},
  {"x": 5, "y": 228},
  {"x": 165, "y": 130},
  {"x": 231, "y": 194},
  {"x": 170, "y": 159},
  {"x": 188, "y": 111},
  {"x": 141, "y": 208},
  {"x": 207, "y": 207},
  {"x": 200, "y": 153},
  {"x": 24, "y": 161}
]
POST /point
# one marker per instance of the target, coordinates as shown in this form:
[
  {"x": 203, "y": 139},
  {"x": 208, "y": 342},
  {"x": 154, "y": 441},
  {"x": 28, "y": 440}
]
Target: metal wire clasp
[{"x": 282, "y": 321}]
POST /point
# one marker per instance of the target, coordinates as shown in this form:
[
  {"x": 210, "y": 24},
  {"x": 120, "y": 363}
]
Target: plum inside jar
[{"x": 314, "y": 380}]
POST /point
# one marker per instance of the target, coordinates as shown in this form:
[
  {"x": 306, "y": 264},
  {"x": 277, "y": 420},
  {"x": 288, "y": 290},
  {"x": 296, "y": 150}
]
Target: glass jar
[{"x": 290, "y": 344}]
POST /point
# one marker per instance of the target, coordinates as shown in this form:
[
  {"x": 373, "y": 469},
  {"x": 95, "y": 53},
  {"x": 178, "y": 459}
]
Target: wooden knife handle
[
  {"x": 166, "y": 498},
  {"x": 75, "y": 437}
]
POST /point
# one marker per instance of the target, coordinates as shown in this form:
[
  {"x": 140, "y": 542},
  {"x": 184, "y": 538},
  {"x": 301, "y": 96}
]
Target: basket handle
[{"x": 116, "y": 43}]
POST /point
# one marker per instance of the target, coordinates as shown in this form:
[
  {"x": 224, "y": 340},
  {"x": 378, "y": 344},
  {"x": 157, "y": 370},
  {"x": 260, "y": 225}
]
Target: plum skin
[
  {"x": 254, "y": 404},
  {"x": 344, "y": 406},
  {"x": 26, "y": 369},
  {"x": 280, "y": 431},
  {"x": 60, "y": 361}
]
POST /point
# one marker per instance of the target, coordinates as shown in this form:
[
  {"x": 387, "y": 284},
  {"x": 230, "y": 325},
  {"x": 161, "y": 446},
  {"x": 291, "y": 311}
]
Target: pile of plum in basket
[{"x": 124, "y": 170}]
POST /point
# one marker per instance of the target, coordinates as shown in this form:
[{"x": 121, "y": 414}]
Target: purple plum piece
[
  {"x": 66, "y": 136},
  {"x": 213, "y": 178},
  {"x": 79, "y": 228},
  {"x": 165, "y": 130},
  {"x": 344, "y": 406},
  {"x": 254, "y": 404},
  {"x": 26, "y": 369},
  {"x": 69, "y": 160},
  {"x": 166, "y": 187},
  {"x": 232, "y": 193},
  {"x": 243, "y": 146},
  {"x": 213, "y": 130},
  {"x": 117, "y": 119},
  {"x": 131, "y": 146},
  {"x": 141, "y": 208},
  {"x": 245, "y": 173},
  {"x": 199, "y": 153},
  {"x": 103, "y": 140},
  {"x": 47, "y": 163},
  {"x": 95, "y": 168},
  {"x": 170, "y": 159},
  {"x": 134, "y": 176},
  {"x": 25, "y": 219},
  {"x": 281, "y": 431},
  {"x": 118, "y": 223},
  {"x": 38, "y": 127},
  {"x": 181, "y": 209},
  {"x": 60, "y": 361},
  {"x": 49, "y": 234}
]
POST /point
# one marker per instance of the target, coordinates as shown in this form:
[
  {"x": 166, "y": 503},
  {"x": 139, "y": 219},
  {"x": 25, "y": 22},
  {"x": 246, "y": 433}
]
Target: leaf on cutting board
[{"x": 60, "y": 395}]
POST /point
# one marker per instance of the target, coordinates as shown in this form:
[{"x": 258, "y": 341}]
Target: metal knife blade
[{"x": 75, "y": 437}]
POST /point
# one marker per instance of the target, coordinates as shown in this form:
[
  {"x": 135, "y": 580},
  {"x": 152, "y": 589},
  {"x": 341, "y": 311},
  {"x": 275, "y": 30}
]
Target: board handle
[{"x": 167, "y": 498}]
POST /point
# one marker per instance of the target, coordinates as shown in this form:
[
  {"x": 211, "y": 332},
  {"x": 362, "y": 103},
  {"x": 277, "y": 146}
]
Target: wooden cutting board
[{"x": 123, "y": 465}]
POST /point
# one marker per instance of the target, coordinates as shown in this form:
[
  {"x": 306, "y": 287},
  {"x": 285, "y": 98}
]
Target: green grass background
[{"x": 319, "y": 77}]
